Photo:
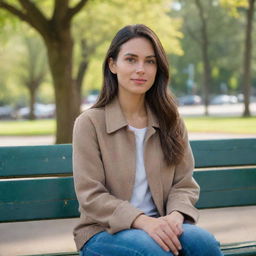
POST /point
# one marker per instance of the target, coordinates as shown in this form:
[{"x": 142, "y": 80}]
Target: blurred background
[{"x": 51, "y": 55}]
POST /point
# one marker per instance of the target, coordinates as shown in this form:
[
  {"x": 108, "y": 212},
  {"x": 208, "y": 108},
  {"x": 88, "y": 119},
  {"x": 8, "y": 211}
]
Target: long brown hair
[{"x": 158, "y": 97}]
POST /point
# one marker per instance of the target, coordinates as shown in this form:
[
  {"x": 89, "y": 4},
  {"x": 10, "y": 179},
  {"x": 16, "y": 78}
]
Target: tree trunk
[
  {"x": 32, "y": 100},
  {"x": 83, "y": 66},
  {"x": 205, "y": 55},
  {"x": 207, "y": 74},
  {"x": 60, "y": 55},
  {"x": 56, "y": 33},
  {"x": 247, "y": 59}
]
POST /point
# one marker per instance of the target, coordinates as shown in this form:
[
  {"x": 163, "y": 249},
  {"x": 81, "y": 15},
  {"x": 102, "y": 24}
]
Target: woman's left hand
[{"x": 175, "y": 219}]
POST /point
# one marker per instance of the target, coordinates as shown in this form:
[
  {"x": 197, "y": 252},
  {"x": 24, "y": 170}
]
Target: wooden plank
[
  {"x": 37, "y": 199},
  {"x": 226, "y": 152},
  {"x": 224, "y": 188},
  {"x": 57, "y": 159},
  {"x": 242, "y": 248},
  {"x": 250, "y": 251},
  {"x": 55, "y": 197},
  {"x": 35, "y": 160}
]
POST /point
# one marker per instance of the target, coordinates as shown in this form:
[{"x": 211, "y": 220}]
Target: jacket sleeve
[
  {"x": 89, "y": 179},
  {"x": 185, "y": 191}
]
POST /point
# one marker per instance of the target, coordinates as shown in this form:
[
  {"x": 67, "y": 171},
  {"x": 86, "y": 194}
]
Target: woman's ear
[{"x": 112, "y": 65}]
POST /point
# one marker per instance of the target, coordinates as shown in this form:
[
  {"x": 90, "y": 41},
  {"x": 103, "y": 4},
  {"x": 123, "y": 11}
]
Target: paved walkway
[{"x": 48, "y": 140}]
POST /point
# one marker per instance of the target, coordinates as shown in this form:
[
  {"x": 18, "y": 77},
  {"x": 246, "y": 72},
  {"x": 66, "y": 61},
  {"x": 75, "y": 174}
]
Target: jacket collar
[{"x": 115, "y": 118}]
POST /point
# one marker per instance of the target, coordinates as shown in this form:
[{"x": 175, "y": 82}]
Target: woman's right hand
[{"x": 160, "y": 230}]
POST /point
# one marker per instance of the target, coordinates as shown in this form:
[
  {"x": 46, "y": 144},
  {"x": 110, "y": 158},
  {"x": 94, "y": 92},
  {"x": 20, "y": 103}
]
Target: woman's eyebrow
[
  {"x": 135, "y": 55},
  {"x": 151, "y": 56}
]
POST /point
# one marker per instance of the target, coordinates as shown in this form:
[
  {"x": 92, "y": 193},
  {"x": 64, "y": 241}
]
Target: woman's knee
[
  {"x": 132, "y": 242},
  {"x": 198, "y": 242},
  {"x": 142, "y": 242}
]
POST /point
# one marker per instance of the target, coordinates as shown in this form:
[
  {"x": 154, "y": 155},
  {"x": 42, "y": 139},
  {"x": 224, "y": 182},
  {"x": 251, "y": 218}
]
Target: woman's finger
[
  {"x": 168, "y": 241},
  {"x": 160, "y": 242}
]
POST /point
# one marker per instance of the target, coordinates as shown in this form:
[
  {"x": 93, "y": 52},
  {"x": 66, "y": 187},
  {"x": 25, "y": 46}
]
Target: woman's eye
[
  {"x": 130, "y": 60},
  {"x": 151, "y": 61}
]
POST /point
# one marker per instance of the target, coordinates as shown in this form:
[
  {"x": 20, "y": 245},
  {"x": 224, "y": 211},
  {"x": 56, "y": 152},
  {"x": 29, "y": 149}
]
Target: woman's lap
[{"x": 134, "y": 242}]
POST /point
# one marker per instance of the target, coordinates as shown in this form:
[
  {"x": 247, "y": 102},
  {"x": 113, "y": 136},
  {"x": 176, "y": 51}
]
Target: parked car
[
  {"x": 241, "y": 98},
  {"x": 6, "y": 112},
  {"x": 190, "y": 100},
  {"x": 41, "y": 111},
  {"x": 224, "y": 99}
]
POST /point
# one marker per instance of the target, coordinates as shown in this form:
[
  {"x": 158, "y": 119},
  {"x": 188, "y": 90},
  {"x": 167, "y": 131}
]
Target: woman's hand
[
  {"x": 164, "y": 230},
  {"x": 175, "y": 220}
]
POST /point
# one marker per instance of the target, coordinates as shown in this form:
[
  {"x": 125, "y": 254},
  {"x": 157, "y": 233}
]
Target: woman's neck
[{"x": 133, "y": 107}]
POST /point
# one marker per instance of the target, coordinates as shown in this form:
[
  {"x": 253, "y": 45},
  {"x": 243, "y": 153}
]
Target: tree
[
  {"x": 56, "y": 33},
  {"x": 201, "y": 37},
  {"x": 34, "y": 69},
  {"x": 54, "y": 25},
  {"x": 233, "y": 7},
  {"x": 248, "y": 57},
  {"x": 91, "y": 47}
]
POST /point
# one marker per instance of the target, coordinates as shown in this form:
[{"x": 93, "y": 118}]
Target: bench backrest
[{"x": 36, "y": 181}]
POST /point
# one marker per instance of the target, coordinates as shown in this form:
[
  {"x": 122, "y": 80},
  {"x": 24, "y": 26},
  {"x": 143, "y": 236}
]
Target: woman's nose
[{"x": 140, "y": 68}]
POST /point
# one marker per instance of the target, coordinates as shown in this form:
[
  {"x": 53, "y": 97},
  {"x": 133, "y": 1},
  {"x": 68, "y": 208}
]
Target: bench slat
[
  {"x": 35, "y": 160},
  {"x": 224, "y": 188},
  {"x": 226, "y": 152},
  {"x": 37, "y": 199},
  {"x": 46, "y": 198},
  {"x": 57, "y": 159}
]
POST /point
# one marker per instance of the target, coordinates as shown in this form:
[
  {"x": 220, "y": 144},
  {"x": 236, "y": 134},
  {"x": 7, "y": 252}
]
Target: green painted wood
[
  {"x": 52, "y": 197},
  {"x": 46, "y": 198},
  {"x": 226, "y": 152},
  {"x": 35, "y": 160},
  {"x": 37, "y": 199},
  {"x": 224, "y": 188},
  {"x": 242, "y": 248},
  {"x": 57, "y": 159},
  {"x": 250, "y": 251}
]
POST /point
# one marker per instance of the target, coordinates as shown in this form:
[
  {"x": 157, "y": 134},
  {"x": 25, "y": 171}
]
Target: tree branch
[
  {"x": 191, "y": 33},
  {"x": 73, "y": 11},
  {"x": 13, "y": 10},
  {"x": 35, "y": 17},
  {"x": 60, "y": 9}
]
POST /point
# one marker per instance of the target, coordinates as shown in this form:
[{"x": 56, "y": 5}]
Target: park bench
[{"x": 36, "y": 182}]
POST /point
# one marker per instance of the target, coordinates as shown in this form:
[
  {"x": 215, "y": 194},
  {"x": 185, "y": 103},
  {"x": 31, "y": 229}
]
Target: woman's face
[{"x": 135, "y": 66}]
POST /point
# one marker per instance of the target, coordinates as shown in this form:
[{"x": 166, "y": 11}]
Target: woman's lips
[{"x": 139, "y": 81}]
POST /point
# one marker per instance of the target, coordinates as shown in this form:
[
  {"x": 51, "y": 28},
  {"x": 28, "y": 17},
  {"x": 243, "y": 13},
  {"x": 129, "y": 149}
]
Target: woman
[{"x": 132, "y": 161}]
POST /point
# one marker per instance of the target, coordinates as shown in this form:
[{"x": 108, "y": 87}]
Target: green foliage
[
  {"x": 33, "y": 61},
  {"x": 225, "y": 47},
  {"x": 100, "y": 21},
  {"x": 232, "y": 6}
]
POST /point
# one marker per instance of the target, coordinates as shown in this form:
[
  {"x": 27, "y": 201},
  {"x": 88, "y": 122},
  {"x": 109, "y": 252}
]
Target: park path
[{"x": 49, "y": 140}]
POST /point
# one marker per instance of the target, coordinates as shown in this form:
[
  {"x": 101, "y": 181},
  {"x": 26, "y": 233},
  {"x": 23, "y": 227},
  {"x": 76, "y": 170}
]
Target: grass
[
  {"x": 27, "y": 128},
  {"x": 235, "y": 125}
]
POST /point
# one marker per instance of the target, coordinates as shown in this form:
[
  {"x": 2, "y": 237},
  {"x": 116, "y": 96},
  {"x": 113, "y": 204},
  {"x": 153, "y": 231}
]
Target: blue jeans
[{"x": 195, "y": 241}]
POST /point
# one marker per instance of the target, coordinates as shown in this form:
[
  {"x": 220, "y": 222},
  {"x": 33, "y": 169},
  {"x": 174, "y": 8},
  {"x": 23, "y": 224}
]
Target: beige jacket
[{"x": 104, "y": 173}]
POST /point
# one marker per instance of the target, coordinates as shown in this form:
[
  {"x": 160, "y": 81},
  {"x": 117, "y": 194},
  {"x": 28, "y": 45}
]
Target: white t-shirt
[{"x": 141, "y": 196}]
